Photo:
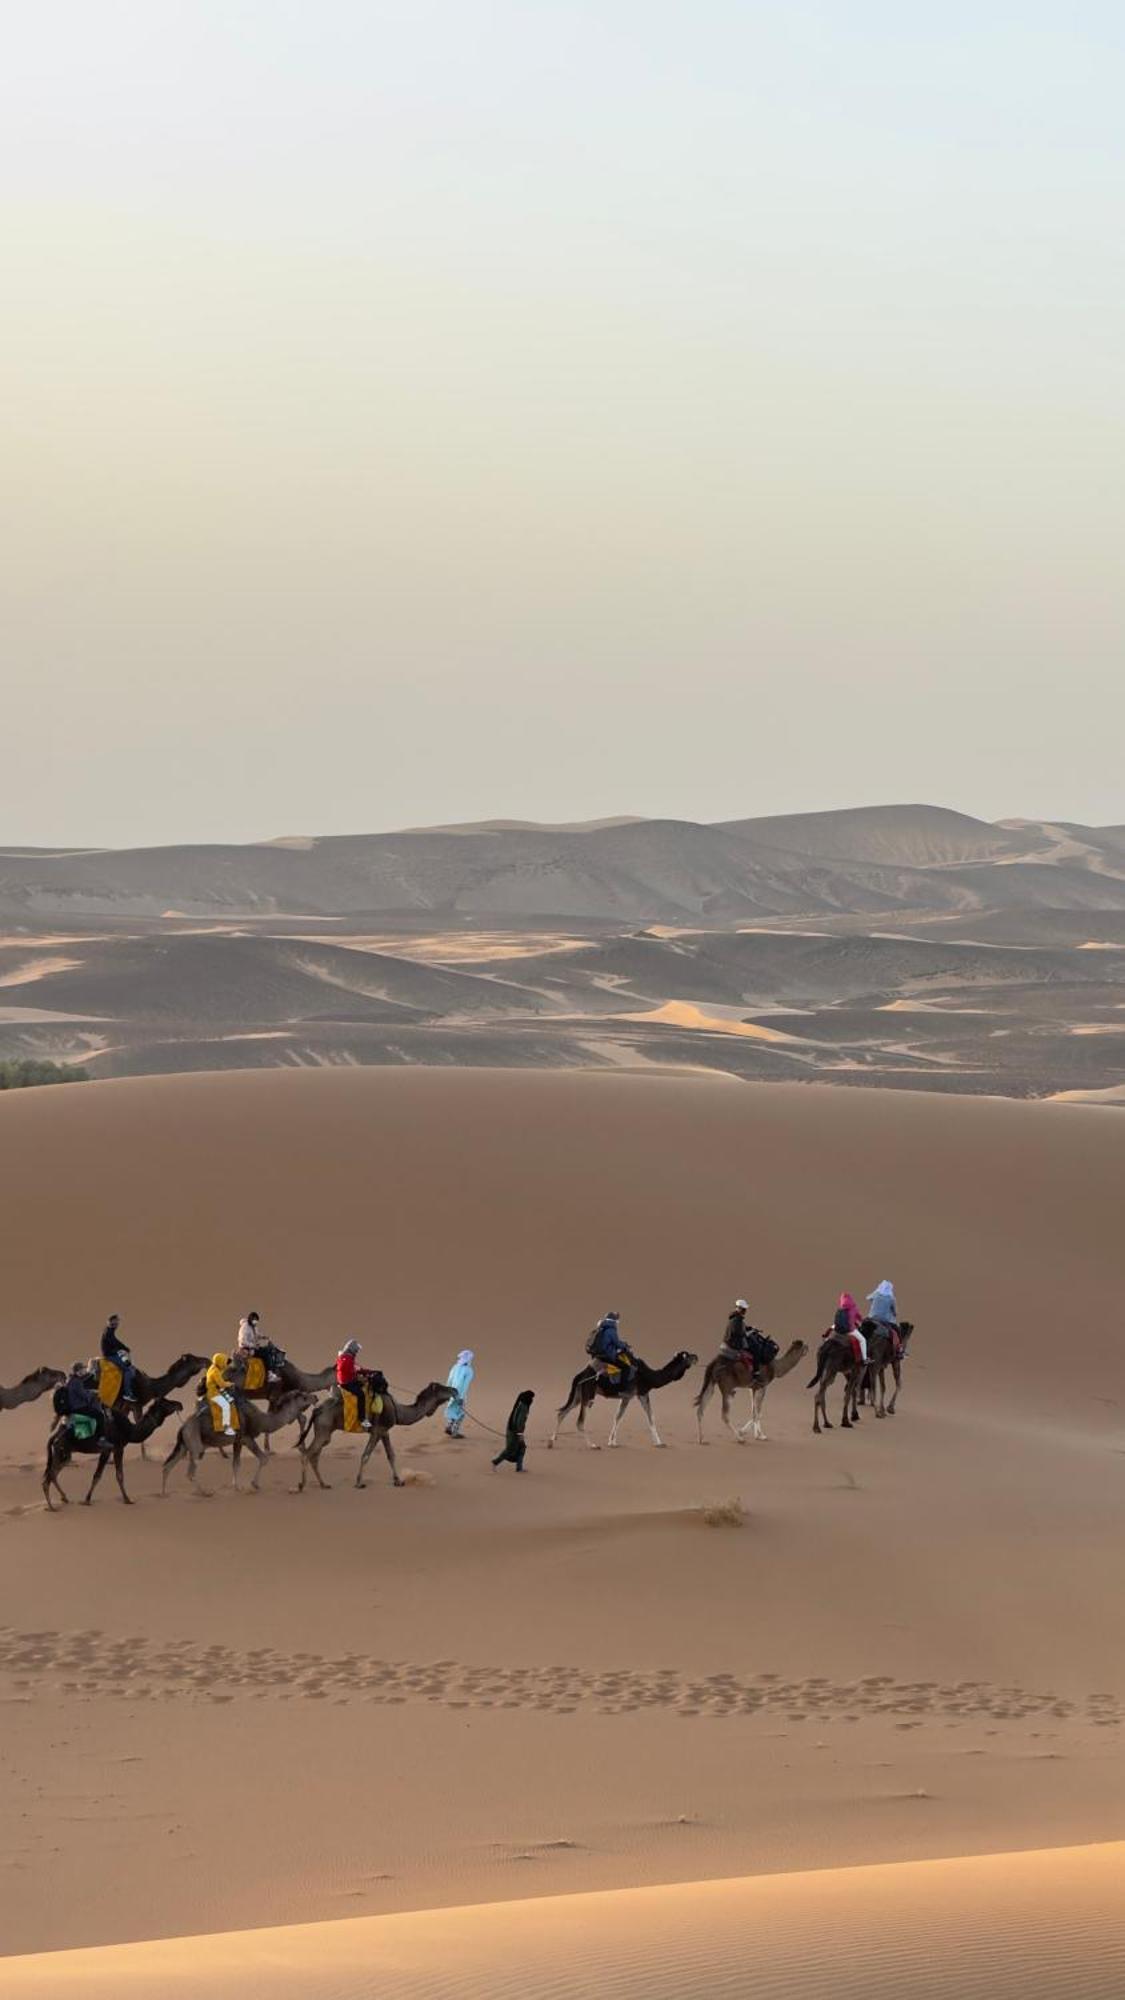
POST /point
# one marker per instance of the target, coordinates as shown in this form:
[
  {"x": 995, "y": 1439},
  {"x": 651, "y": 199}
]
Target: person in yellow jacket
[{"x": 217, "y": 1388}]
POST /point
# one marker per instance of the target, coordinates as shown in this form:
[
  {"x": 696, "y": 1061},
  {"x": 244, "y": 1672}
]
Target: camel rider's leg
[{"x": 224, "y": 1404}]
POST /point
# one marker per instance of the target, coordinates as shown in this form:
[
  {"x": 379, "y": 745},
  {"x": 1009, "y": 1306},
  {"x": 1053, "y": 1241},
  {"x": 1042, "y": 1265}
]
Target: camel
[
  {"x": 836, "y": 1358},
  {"x": 31, "y": 1388},
  {"x": 328, "y": 1417},
  {"x": 590, "y": 1383},
  {"x": 198, "y": 1435},
  {"x": 110, "y": 1443},
  {"x": 728, "y": 1374},
  {"x": 881, "y": 1355},
  {"x": 280, "y": 1382}
]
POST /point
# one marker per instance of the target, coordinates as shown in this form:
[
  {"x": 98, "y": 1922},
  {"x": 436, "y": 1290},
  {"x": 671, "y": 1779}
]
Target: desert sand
[{"x": 547, "y": 1696}]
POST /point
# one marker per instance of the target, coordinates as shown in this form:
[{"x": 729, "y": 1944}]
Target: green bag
[{"x": 83, "y": 1428}]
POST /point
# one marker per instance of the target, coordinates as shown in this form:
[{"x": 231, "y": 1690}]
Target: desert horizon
[{"x": 905, "y": 946}]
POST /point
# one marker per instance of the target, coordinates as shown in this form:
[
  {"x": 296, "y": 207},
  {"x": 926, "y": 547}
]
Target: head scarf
[
  {"x": 882, "y": 1291},
  {"x": 465, "y": 1358}
]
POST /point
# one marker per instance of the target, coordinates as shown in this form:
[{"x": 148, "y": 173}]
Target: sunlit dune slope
[{"x": 1036, "y": 1926}]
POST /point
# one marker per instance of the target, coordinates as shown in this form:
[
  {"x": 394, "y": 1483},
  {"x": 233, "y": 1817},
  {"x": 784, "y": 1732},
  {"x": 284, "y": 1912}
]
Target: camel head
[
  {"x": 46, "y": 1378},
  {"x": 681, "y": 1362},
  {"x": 435, "y": 1394}
]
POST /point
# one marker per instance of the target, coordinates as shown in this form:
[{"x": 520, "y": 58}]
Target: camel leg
[
  {"x": 561, "y": 1415},
  {"x": 753, "y": 1425},
  {"x": 313, "y": 1459},
  {"x": 620, "y": 1408},
  {"x": 701, "y": 1402},
  {"x": 103, "y": 1461},
  {"x": 820, "y": 1419},
  {"x": 653, "y": 1432},
  {"x": 896, "y": 1370},
  {"x": 372, "y": 1440},
  {"x": 178, "y": 1451},
  {"x": 390, "y": 1451},
  {"x": 726, "y": 1405},
  {"x": 193, "y": 1460},
  {"x": 51, "y": 1478},
  {"x": 252, "y": 1445},
  {"x": 585, "y": 1405}
]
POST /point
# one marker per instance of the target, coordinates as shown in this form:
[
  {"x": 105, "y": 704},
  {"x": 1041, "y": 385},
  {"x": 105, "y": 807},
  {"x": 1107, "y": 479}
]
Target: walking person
[
  {"x": 515, "y": 1445},
  {"x": 459, "y": 1379}
]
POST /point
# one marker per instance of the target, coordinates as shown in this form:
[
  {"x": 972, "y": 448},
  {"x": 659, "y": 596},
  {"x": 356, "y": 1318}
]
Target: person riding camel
[
  {"x": 117, "y": 1354},
  {"x": 605, "y": 1344},
  {"x": 353, "y": 1378},
  {"x": 219, "y": 1394},
  {"x": 845, "y": 1327},
  {"x": 882, "y": 1307},
  {"x": 254, "y": 1342},
  {"x": 76, "y": 1403},
  {"x": 737, "y": 1336}
]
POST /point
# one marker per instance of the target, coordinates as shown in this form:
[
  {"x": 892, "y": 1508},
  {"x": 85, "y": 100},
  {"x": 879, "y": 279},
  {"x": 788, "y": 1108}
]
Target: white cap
[{"x": 741, "y": 1306}]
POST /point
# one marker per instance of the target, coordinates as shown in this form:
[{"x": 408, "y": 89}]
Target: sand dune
[
  {"x": 1034, "y": 1926},
  {"x": 906, "y": 1650},
  {"x": 919, "y": 858}
]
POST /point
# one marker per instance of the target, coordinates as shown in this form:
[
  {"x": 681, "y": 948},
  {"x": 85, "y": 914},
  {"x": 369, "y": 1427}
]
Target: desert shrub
[{"x": 21, "y": 1072}]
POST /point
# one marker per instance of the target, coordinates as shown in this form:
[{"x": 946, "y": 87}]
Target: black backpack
[{"x": 840, "y": 1320}]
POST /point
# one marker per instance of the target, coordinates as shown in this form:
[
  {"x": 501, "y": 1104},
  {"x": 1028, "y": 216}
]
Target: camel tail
[{"x": 707, "y": 1386}]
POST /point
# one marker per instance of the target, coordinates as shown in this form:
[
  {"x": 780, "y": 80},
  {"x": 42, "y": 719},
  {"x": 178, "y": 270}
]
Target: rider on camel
[
  {"x": 605, "y": 1344},
  {"x": 115, "y": 1351},
  {"x": 353, "y": 1378}
]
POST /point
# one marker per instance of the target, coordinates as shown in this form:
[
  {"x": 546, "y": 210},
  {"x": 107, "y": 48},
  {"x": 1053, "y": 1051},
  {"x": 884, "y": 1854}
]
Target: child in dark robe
[{"x": 515, "y": 1447}]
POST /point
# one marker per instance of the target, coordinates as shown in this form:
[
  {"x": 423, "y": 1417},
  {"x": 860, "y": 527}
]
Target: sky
[{"x": 428, "y": 410}]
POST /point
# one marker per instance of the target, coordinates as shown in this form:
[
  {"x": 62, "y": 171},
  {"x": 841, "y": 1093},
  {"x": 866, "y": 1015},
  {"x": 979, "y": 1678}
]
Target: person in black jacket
[
  {"x": 115, "y": 1350},
  {"x": 737, "y": 1335},
  {"x": 515, "y": 1447}
]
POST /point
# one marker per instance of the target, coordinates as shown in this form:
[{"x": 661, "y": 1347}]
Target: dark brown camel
[
  {"x": 881, "y": 1355},
  {"x": 31, "y": 1388},
  {"x": 111, "y": 1442},
  {"x": 328, "y": 1417},
  {"x": 198, "y": 1435},
  {"x": 836, "y": 1357},
  {"x": 590, "y": 1383},
  {"x": 728, "y": 1374},
  {"x": 150, "y": 1388}
]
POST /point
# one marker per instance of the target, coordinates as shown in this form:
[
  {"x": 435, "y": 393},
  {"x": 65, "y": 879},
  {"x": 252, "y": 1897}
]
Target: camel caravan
[{"x": 242, "y": 1398}]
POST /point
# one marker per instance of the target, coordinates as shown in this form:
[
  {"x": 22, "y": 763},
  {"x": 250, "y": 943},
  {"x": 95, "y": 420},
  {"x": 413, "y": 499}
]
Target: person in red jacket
[{"x": 349, "y": 1375}]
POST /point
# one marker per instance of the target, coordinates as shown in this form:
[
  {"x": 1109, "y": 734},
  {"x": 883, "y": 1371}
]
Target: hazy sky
[{"x": 420, "y": 410}]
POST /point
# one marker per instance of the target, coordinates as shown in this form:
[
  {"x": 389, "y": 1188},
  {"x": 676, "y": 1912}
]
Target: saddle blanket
[
  {"x": 110, "y": 1379},
  {"x": 218, "y": 1421},
  {"x": 353, "y": 1413},
  {"x": 255, "y": 1374}
]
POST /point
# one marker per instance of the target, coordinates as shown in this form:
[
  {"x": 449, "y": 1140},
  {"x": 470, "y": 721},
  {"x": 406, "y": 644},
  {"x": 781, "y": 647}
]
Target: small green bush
[{"x": 23, "y": 1071}]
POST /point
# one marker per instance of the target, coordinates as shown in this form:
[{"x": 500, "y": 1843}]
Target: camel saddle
[
  {"x": 759, "y": 1350},
  {"x": 255, "y": 1375},
  {"x": 354, "y": 1415}
]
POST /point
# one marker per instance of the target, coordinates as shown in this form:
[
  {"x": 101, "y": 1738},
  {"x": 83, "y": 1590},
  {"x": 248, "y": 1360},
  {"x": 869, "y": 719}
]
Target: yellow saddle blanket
[
  {"x": 218, "y": 1423},
  {"x": 255, "y": 1374},
  {"x": 110, "y": 1379},
  {"x": 353, "y": 1413}
]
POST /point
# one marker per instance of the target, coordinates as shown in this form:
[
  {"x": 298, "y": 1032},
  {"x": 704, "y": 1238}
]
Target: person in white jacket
[{"x": 250, "y": 1335}]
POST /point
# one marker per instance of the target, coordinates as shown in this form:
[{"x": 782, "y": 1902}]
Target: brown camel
[
  {"x": 836, "y": 1357},
  {"x": 728, "y": 1373},
  {"x": 881, "y": 1355},
  {"x": 328, "y": 1417},
  {"x": 279, "y": 1382},
  {"x": 33, "y": 1386},
  {"x": 198, "y": 1435},
  {"x": 590, "y": 1383},
  {"x": 110, "y": 1442}
]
